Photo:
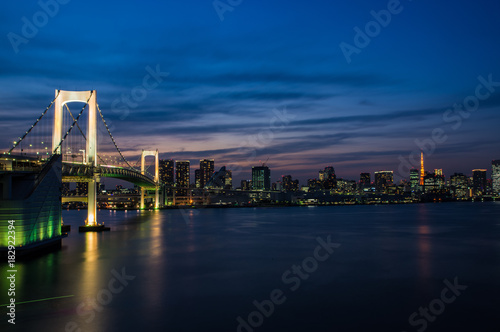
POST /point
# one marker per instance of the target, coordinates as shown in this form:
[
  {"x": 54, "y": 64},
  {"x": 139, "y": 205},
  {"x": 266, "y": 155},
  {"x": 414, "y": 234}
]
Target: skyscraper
[
  {"x": 166, "y": 172},
  {"x": 197, "y": 178},
  {"x": 459, "y": 185},
  {"x": 228, "y": 180},
  {"x": 261, "y": 178},
  {"x": 328, "y": 178},
  {"x": 221, "y": 179},
  {"x": 206, "y": 171},
  {"x": 478, "y": 182},
  {"x": 182, "y": 175},
  {"x": 495, "y": 176},
  {"x": 414, "y": 179},
  {"x": 364, "y": 180},
  {"x": 439, "y": 179},
  {"x": 383, "y": 179},
  {"x": 289, "y": 184},
  {"x": 246, "y": 184}
]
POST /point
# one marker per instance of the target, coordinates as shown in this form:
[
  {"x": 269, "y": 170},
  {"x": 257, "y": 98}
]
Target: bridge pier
[
  {"x": 157, "y": 197},
  {"x": 92, "y": 201},
  {"x": 142, "y": 198}
]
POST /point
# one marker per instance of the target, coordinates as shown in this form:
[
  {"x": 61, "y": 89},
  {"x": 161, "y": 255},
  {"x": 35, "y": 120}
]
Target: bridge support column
[
  {"x": 157, "y": 197},
  {"x": 92, "y": 203},
  {"x": 142, "y": 198}
]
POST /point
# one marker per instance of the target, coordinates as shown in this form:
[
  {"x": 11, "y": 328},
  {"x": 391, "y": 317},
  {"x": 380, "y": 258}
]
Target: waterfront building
[
  {"x": 206, "y": 171},
  {"x": 364, "y": 180},
  {"x": 261, "y": 178},
  {"x": 459, "y": 185},
  {"x": 166, "y": 170},
  {"x": 478, "y": 182},
  {"x": 182, "y": 176},
  {"x": 328, "y": 178},
  {"x": 414, "y": 179},
  {"x": 383, "y": 180}
]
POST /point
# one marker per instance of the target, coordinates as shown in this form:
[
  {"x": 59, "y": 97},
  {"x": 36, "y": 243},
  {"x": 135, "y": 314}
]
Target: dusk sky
[{"x": 266, "y": 79}]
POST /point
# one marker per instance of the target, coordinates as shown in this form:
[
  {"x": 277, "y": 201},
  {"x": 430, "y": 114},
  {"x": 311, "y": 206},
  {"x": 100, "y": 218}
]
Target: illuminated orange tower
[{"x": 422, "y": 168}]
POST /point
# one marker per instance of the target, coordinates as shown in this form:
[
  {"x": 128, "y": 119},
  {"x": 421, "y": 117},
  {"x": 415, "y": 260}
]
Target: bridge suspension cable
[
  {"x": 116, "y": 146},
  {"x": 36, "y": 122},
  {"x": 112, "y": 138},
  {"x": 81, "y": 131},
  {"x": 77, "y": 125}
]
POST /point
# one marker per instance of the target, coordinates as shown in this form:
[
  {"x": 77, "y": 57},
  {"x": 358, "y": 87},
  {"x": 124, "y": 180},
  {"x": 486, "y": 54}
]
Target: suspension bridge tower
[
  {"x": 144, "y": 154},
  {"x": 88, "y": 97}
]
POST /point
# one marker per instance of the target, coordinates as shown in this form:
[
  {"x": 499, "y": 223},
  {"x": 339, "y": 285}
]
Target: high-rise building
[
  {"x": 261, "y": 178},
  {"x": 414, "y": 179},
  {"x": 364, "y": 180},
  {"x": 221, "y": 179},
  {"x": 346, "y": 186},
  {"x": 314, "y": 184},
  {"x": 495, "y": 176},
  {"x": 289, "y": 184},
  {"x": 328, "y": 178},
  {"x": 383, "y": 179},
  {"x": 166, "y": 169},
  {"x": 228, "y": 179},
  {"x": 246, "y": 184},
  {"x": 459, "y": 185},
  {"x": 206, "y": 171},
  {"x": 182, "y": 176},
  {"x": 478, "y": 182},
  {"x": 197, "y": 178},
  {"x": 439, "y": 179}
]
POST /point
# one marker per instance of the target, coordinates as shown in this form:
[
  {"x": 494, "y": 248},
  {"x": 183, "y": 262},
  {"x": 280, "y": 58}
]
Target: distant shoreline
[{"x": 219, "y": 206}]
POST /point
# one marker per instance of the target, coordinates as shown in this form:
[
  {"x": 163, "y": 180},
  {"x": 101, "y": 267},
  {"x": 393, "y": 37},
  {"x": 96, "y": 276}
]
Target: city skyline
[
  {"x": 238, "y": 94},
  {"x": 492, "y": 173}
]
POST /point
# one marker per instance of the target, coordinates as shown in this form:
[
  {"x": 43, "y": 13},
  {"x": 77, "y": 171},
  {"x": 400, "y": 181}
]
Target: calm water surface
[{"x": 199, "y": 270}]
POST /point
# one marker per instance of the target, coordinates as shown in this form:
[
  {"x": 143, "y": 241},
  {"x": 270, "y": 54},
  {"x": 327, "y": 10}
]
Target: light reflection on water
[{"x": 200, "y": 269}]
